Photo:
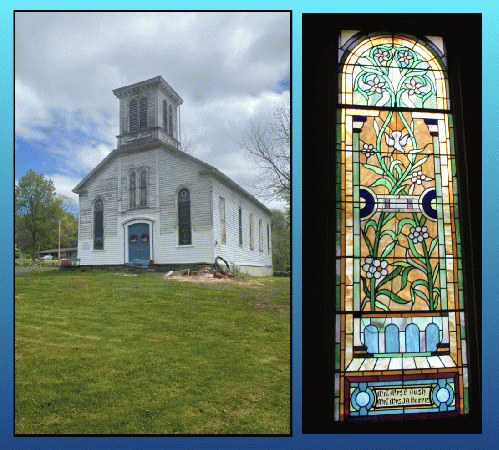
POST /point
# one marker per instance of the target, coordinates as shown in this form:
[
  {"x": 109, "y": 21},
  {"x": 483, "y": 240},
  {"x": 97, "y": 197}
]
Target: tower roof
[{"x": 142, "y": 86}]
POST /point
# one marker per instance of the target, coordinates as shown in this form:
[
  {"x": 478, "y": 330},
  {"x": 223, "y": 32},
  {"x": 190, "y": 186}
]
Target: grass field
[{"x": 97, "y": 353}]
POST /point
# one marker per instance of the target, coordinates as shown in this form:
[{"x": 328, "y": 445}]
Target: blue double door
[{"x": 139, "y": 241}]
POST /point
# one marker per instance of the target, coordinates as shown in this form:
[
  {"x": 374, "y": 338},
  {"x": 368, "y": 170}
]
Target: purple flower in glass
[
  {"x": 397, "y": 141},
  {"x": 405, "y": 57},
  {"x": 418, "y": 234},
  {"x": 368, "y": 150},
  {"x": 375, "y": 268},
  {"x": 382, "y": 55}
]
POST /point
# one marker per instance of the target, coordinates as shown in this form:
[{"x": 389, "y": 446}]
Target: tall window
[
  {"x": 184, "y": 217},
  {"x": 223, "y": 234},
  {"x": 401, "y": 335},
  {"x": 133, "y": 115},
  {"x": 133, "y": 189},
  {"x": 143, "y": 188},
  {"x": 260, "y": 235},
  {"x": 98, "y": 224},
  {"x": 143, "y": 112},
  {"x": 240, "y": 227},
  {"x": 252, "y": 232}
]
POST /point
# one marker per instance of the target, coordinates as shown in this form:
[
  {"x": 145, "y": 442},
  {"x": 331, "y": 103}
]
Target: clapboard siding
[
  {"x": 231, "y": 250},
  {"x": 176, "y": 173},
  {"x": 104, "y": 186}
]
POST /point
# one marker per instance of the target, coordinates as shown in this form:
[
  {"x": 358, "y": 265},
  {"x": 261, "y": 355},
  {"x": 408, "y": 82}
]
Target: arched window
[
  {"x": 412, "y": 344},
  {"x": 143, "y": 113},
  {"x": 133, "y": 115},
  {"x": 184, "y": 217},
  {"x": 98, "y": 224},
  {"x": 143, "y": 188},
  {"x": 371, "y": 339},
  {"x": 221, "y": 213},
  {"x": 133, "y": 189},
  {"x": 165, "y": 116},
  {"x": 398, "y": 237}
]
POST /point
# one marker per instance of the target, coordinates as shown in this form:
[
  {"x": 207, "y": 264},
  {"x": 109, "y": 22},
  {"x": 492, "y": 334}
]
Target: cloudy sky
[{"x": 229, "y": 68}]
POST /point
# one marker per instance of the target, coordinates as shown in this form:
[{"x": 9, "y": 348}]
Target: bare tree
[
  {"x": 270, "y": 146},
  {"x": 185, "y": 142}
]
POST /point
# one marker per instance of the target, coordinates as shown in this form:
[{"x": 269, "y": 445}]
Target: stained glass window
[
  {"x": 143, "y": 188},
  {"x": 133, "y": 189},
  {"x": 98, "y": 224},
  {"x": 184, "y": 217},
  {"x": 401, "y": 327}
]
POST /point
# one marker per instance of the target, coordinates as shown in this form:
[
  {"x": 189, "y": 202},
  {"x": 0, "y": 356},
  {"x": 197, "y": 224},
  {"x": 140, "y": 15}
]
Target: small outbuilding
[{"x": 69, "y": 252}]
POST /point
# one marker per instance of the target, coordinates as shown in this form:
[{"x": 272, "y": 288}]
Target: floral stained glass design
[{"x": 400, "y": 322}]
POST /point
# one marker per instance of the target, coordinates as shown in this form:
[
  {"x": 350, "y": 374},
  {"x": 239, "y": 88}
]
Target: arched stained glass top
[{"x": 393, "y": 71}]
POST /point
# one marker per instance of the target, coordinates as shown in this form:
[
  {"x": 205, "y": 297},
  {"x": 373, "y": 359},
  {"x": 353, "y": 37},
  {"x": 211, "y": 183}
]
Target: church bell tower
[{"x": 149, "y": 111}]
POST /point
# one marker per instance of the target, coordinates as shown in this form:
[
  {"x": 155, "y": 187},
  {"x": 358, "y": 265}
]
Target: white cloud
[
  {"x": 64, "y": 185},
  {"x": 30, "y": 112},
  {"x": 87, "y": 158}
]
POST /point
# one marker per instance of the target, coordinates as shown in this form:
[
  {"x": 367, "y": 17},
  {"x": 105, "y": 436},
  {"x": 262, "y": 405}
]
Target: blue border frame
[{"x": 490, "y": 255}]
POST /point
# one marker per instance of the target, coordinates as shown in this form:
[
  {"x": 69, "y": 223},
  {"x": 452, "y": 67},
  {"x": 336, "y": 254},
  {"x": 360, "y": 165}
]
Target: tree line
[{"x": 38, "y": 210}]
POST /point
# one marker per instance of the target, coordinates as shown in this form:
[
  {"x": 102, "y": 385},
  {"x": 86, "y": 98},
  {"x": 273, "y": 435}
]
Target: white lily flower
[
  {"x": 376, "y": 85},
  {"x": 413, "y": 87}
]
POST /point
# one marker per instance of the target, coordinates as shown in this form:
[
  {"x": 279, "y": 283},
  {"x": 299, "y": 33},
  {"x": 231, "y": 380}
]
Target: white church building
[{"x": 149, "y": 200}]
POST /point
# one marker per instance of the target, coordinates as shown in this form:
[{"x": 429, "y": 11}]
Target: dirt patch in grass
[
  {"x": 202, "y": 278},
  {"x": 256, "y": 396},
  {"x": 209, "y": 278}
]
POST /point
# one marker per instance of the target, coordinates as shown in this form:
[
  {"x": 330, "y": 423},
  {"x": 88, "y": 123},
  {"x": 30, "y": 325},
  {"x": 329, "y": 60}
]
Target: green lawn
[{"x": 100, "y": 353}]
